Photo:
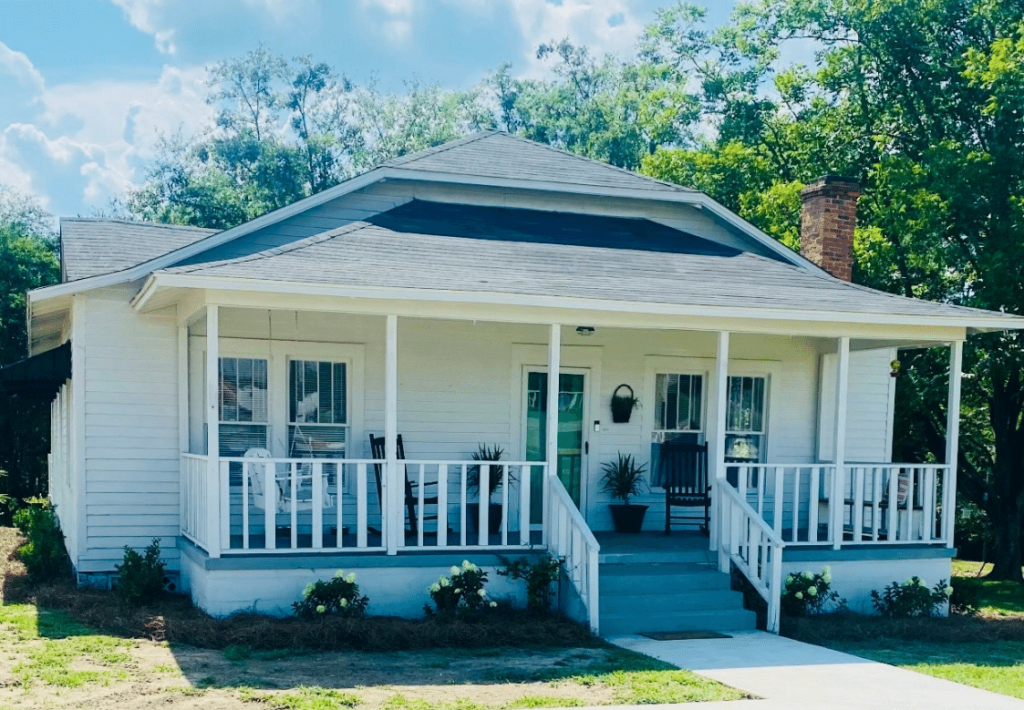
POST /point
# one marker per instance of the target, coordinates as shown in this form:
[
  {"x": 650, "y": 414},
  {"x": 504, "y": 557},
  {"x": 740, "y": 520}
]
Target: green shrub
[
  {"x": 141, "y": 577},
  {"x": 461, "y": 594},
  {"x": 966, "y": 598},
  {"x": 910, "y": 599},
  {"x": 807, "y": 593},
  {"x": 338, "y": 595},
  {"x": 43, "y": 554},
  {"x": 539, "y": 578}
]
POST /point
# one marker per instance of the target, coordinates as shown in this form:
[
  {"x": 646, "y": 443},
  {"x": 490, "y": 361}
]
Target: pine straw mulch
[
  {"x": 175, "y": 619},
  {"x": 851, "y": 628}
]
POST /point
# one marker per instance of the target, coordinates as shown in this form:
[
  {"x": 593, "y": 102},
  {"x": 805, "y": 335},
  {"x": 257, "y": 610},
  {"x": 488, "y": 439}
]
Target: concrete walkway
[{"x": 791, "y": 674}]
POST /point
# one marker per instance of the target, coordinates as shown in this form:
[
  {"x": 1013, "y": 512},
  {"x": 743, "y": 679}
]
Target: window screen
[
  {"x": 317, "y": 408},
  {"x": 243, "y": 405},
  {"x": 745, "y": 418},
  {"x": 678, "y": 406}
]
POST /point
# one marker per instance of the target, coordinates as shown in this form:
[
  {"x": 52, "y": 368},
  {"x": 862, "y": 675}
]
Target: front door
[{"x": 572, "y": 439}]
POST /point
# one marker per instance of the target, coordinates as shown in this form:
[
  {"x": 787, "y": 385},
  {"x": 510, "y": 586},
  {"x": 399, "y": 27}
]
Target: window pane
[
  {"x": 243, "y": 390},
  {"x": 340, "y": 394},
  {"x": 659, "y": 401},
  {"x": 672, "y": 402},
  {"x": 683, "y": 420},
  {"x": 236, "y": 439},
  {"x": 696, "y": 403}
]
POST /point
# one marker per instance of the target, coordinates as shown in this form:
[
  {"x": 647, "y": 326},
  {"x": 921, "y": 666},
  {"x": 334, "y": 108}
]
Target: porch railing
[
  {"x": 280, "y": 505},
  {"x": 754, "y": 547},
  {"x": 797, "y": 501},
  {"x": 570, "y": 539}
]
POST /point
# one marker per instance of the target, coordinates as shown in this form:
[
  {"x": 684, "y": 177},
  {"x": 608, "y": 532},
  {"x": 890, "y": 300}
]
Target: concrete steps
[{"x": 681, "y": 593}]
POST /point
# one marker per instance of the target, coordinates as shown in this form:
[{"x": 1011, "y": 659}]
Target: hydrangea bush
[
  {"x": 912, "y": 598},
  {"x": 460, "y": 592},
  {"x": 808, "y": 593},
  {"x": 339, "y": 595}
]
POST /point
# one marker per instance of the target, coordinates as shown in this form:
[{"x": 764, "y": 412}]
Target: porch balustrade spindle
[
  {"x": 318, "y": 505},
  {"x": 246, "y": 471},
  {"x": 361, "y": 523},
  {"x": 442, "y": 505}
]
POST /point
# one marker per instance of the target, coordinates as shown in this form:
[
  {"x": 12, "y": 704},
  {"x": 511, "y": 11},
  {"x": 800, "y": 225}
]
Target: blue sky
[{"x": 86, "y": 86}]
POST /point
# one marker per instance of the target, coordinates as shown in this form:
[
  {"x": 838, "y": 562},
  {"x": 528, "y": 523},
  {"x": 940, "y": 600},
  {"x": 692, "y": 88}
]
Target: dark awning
[{"x": 38, "y": 376}]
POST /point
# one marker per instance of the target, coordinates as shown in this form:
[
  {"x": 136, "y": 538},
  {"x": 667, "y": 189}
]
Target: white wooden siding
[
  {"x": 131, "y": 434},
  {"x": 457, "y": 389},
  {"x": 869, "y": 415},
  {"x": 62, "y": 482}
]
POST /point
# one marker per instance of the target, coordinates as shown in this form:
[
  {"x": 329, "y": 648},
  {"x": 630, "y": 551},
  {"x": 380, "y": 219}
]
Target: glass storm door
[{"x": 572, "y": 444}]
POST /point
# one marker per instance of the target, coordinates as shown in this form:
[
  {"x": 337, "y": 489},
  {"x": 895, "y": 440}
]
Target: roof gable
[{"x": 500, "y": 155}]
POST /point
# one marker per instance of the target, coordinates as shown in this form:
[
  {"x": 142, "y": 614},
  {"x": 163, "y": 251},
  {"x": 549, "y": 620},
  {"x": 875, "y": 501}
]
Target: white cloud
[
  {"x": 77, "y": 145},
  {"x": 604, "y": 26},
  {"x": 147, "y": 16}
]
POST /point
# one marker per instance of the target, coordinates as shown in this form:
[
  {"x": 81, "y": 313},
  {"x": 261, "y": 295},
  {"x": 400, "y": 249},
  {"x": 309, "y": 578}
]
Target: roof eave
[{"x": 160, "y": 281}]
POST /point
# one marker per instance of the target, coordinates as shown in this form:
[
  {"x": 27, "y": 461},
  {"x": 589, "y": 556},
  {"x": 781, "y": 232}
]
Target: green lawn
[{"x": 985, "y": 652}]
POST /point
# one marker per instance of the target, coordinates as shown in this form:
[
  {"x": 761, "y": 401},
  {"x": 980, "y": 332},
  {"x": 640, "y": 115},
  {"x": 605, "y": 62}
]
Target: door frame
[{"x": 574, "y": 357}]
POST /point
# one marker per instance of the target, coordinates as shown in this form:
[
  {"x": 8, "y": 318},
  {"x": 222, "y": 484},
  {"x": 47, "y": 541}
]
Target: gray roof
[
  {"x": 100, "y": 246},
  {"x": 496, "y": 154},
  {"x": 390, "y": 253}
]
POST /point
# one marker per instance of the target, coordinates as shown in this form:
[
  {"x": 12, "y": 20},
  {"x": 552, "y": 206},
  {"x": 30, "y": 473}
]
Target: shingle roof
[
  {"x": 100, "y": 246},
  {"x": 496, "y": 154},
  {"x": 391, "y": 252}
]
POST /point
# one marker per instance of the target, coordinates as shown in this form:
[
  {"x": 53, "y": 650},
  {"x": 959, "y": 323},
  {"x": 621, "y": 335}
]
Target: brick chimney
[{"x": 827, "y": 220}]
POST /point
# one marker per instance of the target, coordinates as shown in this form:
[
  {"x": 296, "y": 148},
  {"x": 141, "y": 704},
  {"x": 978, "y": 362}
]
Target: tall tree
[{"x": 28, "y": 260}]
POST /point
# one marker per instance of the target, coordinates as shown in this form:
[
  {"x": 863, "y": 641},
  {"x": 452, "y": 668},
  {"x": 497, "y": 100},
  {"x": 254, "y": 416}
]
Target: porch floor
[{"x": 654, "y": 547}]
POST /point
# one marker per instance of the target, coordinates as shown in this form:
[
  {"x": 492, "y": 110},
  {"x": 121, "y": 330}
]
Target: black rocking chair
[
  {"x": 412, "y": 500},
  {"x": 683, "y": 472}
]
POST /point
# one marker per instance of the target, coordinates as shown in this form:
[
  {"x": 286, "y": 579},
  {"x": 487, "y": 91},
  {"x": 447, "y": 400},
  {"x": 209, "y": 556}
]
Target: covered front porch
[{"x": 346, "y": 429}]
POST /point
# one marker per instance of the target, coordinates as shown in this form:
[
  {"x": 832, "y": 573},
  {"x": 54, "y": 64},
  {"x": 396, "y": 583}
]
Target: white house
[{"x": 428, "y": 299}]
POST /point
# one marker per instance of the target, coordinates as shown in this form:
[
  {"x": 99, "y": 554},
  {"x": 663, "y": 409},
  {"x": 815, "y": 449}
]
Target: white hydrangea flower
[
  {"x": 466, "y": 564},
  {"x": 321, "y": 609},
  {"x": 826, "y": 575},
  {"x": 921, "y": 582},
  {"x": 308, "y": 590},
  {"x": 434, "y": 588},
  {"x": 444, "y": 581},
  {"x": 799, "y": 595},
  {"x": 909, "y": 582},
  {"x": 458, "y": 591},
  {"x": 813, "y": 591},
  {"x": 481, "y": 592},
  {"x": 949, "y": 591},
  {"x": 494, "y": 604},
  {"x": 343, "y": 602},
  {"x": 351, "y": 578},
  {"x": 808, "y": 574},
  {"x": 339, "y": 574},
  {"x": 454, "y": 570},
  {"x": 789, "y": 579}
]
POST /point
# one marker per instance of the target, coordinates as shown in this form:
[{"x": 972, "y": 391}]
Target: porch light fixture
[{"x": 585, "y": 330}]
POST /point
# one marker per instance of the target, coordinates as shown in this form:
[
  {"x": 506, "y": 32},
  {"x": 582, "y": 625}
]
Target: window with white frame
[
  {"x": 243, "y": 405},
  {"x": 318, "y": 418},
  {"x": 745, "y": 420},
  {"x": 678, "y": 407}
]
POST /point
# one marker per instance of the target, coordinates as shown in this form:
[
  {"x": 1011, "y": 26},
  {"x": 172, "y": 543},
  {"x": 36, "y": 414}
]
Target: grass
[{"x": 985, "y": 652}]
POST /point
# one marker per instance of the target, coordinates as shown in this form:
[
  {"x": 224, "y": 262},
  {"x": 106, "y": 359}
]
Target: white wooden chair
[{"x": 256, "y": 470}]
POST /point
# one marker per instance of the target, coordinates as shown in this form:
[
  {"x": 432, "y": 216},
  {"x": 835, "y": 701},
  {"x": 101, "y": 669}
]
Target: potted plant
[
  {"x": 495, "y": 479},
  {"x": 622, "y": 480},
  {"x": 623, "y": 404}
]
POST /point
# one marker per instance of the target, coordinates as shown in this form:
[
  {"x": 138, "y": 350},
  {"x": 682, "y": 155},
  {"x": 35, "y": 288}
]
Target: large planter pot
[
  {"x": 628, "y": 518},
  {"x": 493, "y": 518}
]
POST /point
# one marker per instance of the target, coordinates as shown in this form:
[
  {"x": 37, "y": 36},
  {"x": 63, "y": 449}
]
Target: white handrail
[
  {"x": 754, "y": 548},
  {"x": 571, "y": 540}
]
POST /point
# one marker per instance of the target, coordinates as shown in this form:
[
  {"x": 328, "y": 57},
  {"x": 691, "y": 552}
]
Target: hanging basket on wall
[{"x": 623, "y": 404}]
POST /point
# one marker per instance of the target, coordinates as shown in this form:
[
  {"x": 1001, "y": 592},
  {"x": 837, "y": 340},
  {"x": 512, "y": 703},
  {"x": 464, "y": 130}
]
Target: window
[
  {"x": 745, "y": 418},
  {"x": 243, "y": 405},
  {"x": 678, "y": 407},
  {"x": 317, "y": 408}
]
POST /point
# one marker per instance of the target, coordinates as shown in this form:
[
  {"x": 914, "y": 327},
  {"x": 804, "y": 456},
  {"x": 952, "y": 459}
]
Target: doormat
[{"x": 683, "y": 635}]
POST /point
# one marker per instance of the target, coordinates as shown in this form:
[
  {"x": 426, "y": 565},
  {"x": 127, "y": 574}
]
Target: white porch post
[
  {"x": 837, "y": 496},
  {"x": 551, "y": 436},
  {"x": 393, "y": 488},
  {"x": 716, "y": 443},
  {"x": 956, "y": 359},
  {"x": 213, "y": 503}
]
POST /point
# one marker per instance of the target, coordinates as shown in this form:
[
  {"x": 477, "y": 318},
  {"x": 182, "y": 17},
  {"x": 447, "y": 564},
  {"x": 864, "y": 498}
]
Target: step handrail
[
  {"x": 571, "y": 540},
  {"x": 754, "y": 548}
]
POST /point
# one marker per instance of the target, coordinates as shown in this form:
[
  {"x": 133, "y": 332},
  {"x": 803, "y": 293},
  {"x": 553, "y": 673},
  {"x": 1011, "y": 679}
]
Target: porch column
[
  {"x": 956, "y": 358},
  {"x": 551, "y": 436},
  {"x": 716, "y": 443},
  {"x": 837, "y": 497},
  {"x": 392, "y": 484},
  {"x": 213, "y": 505}
]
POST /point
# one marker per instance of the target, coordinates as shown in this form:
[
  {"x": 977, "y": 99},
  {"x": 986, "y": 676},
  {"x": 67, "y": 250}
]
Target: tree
[{"x": 28, "y": 260}]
